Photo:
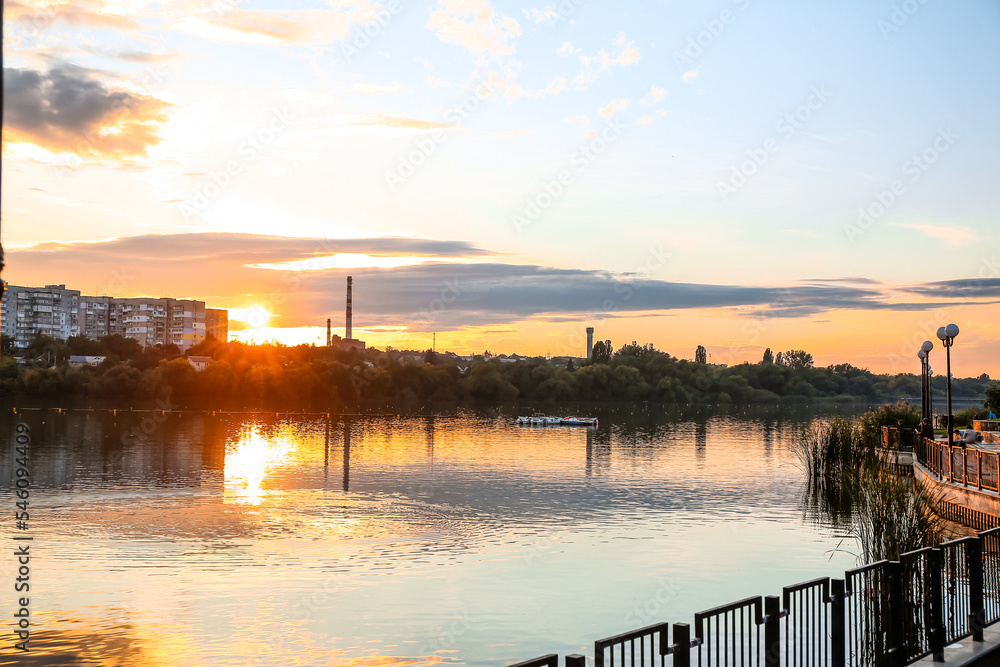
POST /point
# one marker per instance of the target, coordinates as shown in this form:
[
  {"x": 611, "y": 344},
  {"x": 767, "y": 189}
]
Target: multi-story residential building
[
  {"x": 28, "y": 311},
  {"x": 186, "y": 322},
  {"x": 217, "y": 323},
  {"x": 61, "y": 313},
  {"x": 94, "y": 316}
]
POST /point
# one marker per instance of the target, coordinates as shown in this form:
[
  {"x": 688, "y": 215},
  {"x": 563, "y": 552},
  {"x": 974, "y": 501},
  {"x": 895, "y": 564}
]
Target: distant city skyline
[{"x": 738, "y": 175}]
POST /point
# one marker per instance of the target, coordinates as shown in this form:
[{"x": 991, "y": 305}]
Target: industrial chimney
[
  {"x": 348, "y": 335},
  {"x": 329, "y": 331},
  {"x": 590, "y": 342}
]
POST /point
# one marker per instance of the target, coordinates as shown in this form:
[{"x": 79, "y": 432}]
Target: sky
[{"x": 733, "y": 174}]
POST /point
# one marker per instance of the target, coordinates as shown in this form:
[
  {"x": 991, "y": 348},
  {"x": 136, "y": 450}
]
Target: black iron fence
[{"x": 887, "y": 614}]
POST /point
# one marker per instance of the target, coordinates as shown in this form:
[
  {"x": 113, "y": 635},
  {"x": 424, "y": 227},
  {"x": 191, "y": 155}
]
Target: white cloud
[
  {"x": 654, "y": 95},
  {"x": 278, "y": 26},
  {"x": 438, "y": 83},
  {"x": 554, "y": 86},
  {"x": 613, "y": 107},
  {"x": 645, "y": 120},
  {"x": 368, "y": 88},
  {"x": 566, "y": 49},
  {"x": 423, "y": 62},
  {"x": 593, "y": 66},
  {"x": 582, "y": 121},
  {"x": 219, "y": 33},
  {"x": 474, "y": 25},
  {"x": 950, "y": 234},
  {"x": 689, "y": 76},
  {"x": 546, "y": 13}
]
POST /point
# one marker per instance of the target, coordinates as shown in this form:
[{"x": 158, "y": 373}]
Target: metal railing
[
  {"x": 964, "y": 465},
  {"x": 639, "y": 647},
  {"x": 887, "y": 614},
  {"x": 730, "y": 634}
]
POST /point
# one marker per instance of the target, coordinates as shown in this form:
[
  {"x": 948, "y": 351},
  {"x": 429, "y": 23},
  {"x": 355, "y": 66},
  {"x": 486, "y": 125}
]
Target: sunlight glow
[
  {"x": 283, "y": 335},
  {"x": 248, "y": 464},
  {"x": 254, "y": 316}
]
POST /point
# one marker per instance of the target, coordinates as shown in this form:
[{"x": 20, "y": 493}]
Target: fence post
[
  {"x": 974, "y": 566},
  {"x": 893, "y": 616},
  {"x": 576, "y": 660},
  {"x": 772, "y": 631},
  {"x": 979, "y": 469},
  {"x": 936, "y": 633},
  {"x": 965, "y": 466},
  {"x": 838, "y": 638},
  {"x": 682, "y": 645}
]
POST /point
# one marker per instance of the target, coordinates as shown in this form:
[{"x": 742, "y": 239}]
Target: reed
[{"x": 884, "y": 512}]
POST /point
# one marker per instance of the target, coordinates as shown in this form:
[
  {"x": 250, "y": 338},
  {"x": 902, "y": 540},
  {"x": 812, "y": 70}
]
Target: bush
[{"x": 887, "y": 415}]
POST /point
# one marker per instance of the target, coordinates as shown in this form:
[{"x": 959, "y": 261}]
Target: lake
[{"x": 260, "y": 539}]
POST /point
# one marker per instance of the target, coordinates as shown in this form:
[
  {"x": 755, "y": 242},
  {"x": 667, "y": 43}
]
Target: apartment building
[
  {"x": 217, "y": 323},
  {"x": 51, "y": 310},
  {"x": 61, "y": 313}
]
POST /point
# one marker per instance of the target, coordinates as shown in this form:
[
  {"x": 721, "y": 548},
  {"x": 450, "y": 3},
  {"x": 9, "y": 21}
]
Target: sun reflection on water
[{"x": 250, "y": 460}]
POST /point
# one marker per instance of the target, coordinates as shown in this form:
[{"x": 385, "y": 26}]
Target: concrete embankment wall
[{"x": 965, "y": 505}]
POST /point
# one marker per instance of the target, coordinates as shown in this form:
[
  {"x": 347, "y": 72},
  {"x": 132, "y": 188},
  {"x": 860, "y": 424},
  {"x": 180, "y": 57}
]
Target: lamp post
[
  {"x": 926, "y": 348},
  {"x": 922, "y": 356},
  {"x": 930, "y": 396},
  {"x": 947, "y": 335}
]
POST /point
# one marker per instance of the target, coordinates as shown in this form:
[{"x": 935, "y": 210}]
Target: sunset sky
[{"x": 736, "y": 174}]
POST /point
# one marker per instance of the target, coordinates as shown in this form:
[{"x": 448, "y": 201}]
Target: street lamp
[
  {"x": 947, "y": 335},
  {"x": 922, "y": 356},
  {"x": 926, "y": 348}
]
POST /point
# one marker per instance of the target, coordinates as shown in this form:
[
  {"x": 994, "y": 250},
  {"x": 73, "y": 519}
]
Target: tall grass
[{"x": 886, "y": 513}]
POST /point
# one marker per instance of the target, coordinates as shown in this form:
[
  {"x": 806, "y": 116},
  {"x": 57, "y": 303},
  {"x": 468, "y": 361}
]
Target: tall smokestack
[
  {"x": 329, "y": 331},
  {"x": 590, "y": 343},
  {"x": 350, "y": 281}
]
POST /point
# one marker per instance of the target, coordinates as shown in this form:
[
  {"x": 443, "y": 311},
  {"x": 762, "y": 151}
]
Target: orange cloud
[
  {"x": 41, "y": 15},
  {"x": 67, "y": 109}
]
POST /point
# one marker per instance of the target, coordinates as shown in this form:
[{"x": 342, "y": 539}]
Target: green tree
[
  {"x": 46, "y": 349},
  {"x": 768, "y": 357},
  {"x": 701, "y": 355},
  {"x": 125, "y": 348},
  {"x": 992, "y": 401},
  {"x": 7, "y": 344},
  {"x": 796, "y": 359},
  {"x": 602, "y": 352}
]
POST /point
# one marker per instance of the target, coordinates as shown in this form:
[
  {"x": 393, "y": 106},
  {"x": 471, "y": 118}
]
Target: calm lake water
[{"x": 254, "y": 539}]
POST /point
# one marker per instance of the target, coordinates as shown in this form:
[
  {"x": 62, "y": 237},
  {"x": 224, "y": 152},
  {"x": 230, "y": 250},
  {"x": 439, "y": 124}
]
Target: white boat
[
  {"x": 540, "y": 420},
  {"x": 579, "y": 421}
]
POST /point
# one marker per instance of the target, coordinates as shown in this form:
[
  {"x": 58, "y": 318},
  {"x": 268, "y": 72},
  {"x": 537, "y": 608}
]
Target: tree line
[{"x": 320, "y": 376}]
